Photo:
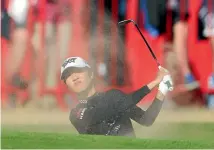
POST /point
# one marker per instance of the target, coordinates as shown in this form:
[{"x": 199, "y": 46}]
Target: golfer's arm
[
  {"x": 138, "y": 95},
  {"x": 152, "y": 112},
  {"x": 148, "y": 117},
  {"x": 128, "y": 101}
]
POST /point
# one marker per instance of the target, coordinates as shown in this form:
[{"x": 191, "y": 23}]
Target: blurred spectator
[
  {"x": 5, "y": 21},
  {"x": 157, "y": 13},
  {"x": 57, "y": 34},
  {"x": 16, "y": 12},
  {"x": 206, "y": 20},
  {"x": 107, "y": 53},
  {"x": 121, "y": 44},
  {"x": 206, "y": 30},
  {"x": 5, "y": 30}
]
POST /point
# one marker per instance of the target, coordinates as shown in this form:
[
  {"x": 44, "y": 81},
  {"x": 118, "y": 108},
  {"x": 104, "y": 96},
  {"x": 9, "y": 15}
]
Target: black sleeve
[
  {"x": 127, "y": 101},
  {"x": 147, "y": 117},
  {"x": 137, "y": 114}
]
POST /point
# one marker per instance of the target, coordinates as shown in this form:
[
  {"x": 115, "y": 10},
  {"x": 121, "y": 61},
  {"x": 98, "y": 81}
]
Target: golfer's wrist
[
  {"x": 160, "y": 96},
  {"x": 153, "y": 84}
]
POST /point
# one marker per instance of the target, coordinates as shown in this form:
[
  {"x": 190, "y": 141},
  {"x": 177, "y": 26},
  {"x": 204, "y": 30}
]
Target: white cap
[{"x": 76, "y": 62}]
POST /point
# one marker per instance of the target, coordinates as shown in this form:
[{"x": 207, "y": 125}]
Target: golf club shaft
[{"x": 147, "y": 44}]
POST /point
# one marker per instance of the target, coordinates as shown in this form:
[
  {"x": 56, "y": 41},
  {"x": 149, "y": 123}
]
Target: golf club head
[{"x": 124, "y": 22}]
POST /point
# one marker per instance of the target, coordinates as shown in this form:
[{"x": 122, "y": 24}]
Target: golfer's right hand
[{"x": 161, "y": 73}]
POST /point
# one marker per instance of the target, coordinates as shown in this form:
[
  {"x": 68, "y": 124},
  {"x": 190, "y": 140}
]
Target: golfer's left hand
[{"x": 166, "y": 85}]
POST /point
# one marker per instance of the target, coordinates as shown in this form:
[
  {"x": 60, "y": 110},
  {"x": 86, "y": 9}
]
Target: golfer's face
[{"x": 78, "y": 80}]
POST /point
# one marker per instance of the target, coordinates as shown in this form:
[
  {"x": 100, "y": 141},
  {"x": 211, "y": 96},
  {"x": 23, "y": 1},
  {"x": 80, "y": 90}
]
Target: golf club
[{"x": 124, "y": 22}]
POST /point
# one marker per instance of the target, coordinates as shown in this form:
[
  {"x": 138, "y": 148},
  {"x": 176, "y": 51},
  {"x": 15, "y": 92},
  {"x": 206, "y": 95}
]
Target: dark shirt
[{"x": 110, "y": 113}]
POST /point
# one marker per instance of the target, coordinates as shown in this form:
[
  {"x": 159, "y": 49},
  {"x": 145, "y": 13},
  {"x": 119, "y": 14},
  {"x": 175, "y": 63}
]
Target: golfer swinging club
[{"x": 110, "y": 112}]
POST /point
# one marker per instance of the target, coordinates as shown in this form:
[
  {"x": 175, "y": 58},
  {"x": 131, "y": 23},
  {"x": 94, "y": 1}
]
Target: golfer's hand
[
  {"x": 166, "y": 85},
  {"x": 161, "y": 73}
]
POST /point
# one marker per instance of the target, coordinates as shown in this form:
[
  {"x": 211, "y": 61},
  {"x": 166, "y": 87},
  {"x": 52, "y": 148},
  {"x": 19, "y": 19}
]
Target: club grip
[{"x": 167, "y": 83}]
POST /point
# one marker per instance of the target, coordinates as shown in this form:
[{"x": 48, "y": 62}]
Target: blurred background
[{"x": 37, "y": 35}]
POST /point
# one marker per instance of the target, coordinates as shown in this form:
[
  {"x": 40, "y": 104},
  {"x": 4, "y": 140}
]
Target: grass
[
  {"x": 36, "y": 140},
  {"x": 185, "y": 135}
]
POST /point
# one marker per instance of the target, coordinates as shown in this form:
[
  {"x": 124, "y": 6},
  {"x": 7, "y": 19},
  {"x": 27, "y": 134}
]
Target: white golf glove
[{"x": 166, "y": 85}]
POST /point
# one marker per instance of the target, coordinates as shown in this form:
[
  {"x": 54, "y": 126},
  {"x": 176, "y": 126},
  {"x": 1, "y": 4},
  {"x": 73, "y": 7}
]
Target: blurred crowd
[{"x": 21, "y": 30}]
